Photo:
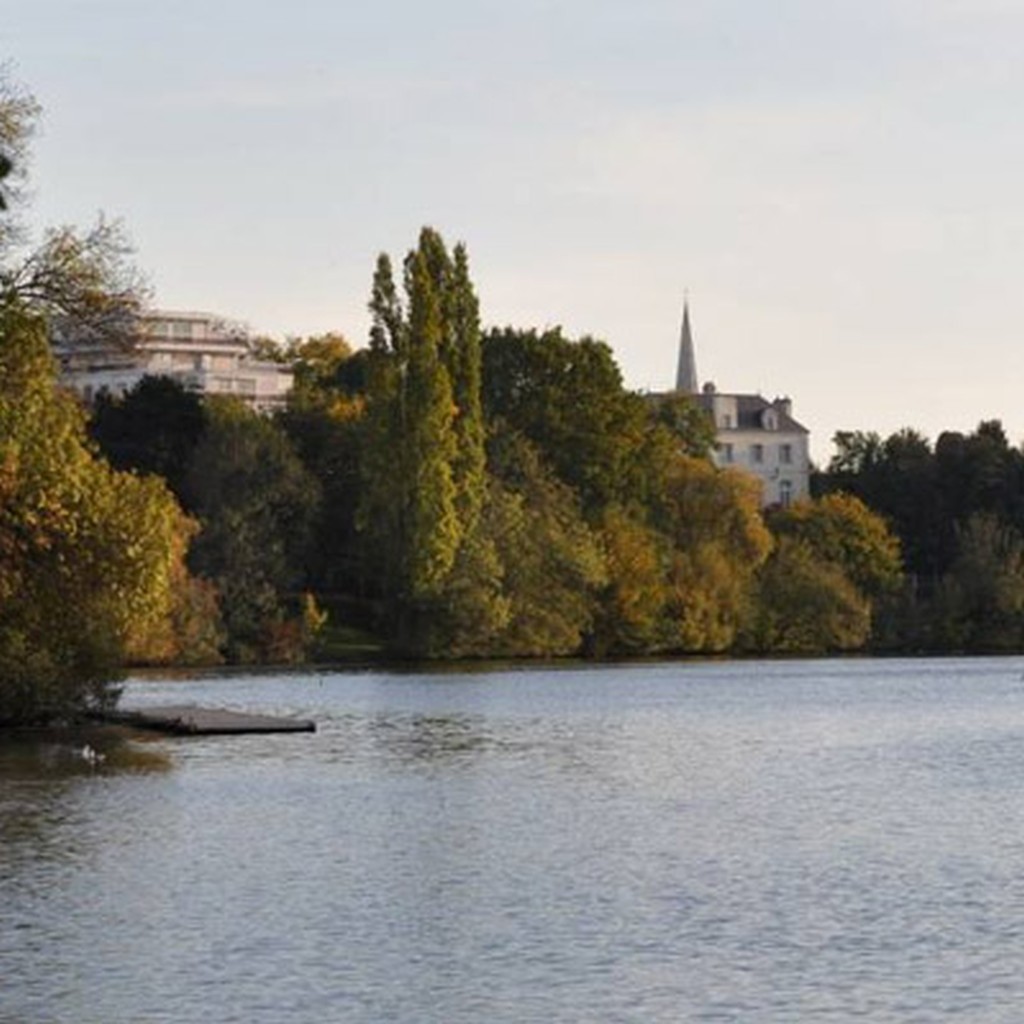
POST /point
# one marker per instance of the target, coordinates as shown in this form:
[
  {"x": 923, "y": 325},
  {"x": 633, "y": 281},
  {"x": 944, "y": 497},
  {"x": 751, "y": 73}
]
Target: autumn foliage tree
[
  {"x": 834, "y": 561},
  {"x": 718, "y": 540},
  {"x": 88, "y": 555}
]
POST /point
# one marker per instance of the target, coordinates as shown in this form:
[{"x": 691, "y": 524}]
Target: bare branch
[{"x": 84, "y": 283}]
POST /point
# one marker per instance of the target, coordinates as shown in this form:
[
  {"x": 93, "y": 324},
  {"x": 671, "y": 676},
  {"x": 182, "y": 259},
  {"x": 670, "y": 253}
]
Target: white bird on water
[{"x": 91, "y": 755}]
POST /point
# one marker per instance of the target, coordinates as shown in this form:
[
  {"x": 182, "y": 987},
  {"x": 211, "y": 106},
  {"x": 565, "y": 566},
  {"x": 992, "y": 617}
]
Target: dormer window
[{"x": 770, "y": 419}]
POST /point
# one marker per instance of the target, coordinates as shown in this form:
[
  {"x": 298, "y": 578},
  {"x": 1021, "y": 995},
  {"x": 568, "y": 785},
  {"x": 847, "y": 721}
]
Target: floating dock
[{"x": 188, "y": 720}]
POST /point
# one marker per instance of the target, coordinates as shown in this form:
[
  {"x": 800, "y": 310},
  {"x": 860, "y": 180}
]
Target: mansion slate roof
[{"x": 750, "y": 412}]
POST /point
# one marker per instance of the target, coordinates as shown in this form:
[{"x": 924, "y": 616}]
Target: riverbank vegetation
[
  {"x": 91, "y": 559},
  {"x": 449, "y": 491},
  {"x": 957, "y": 509}
]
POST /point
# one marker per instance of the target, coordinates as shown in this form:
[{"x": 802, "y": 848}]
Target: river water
[{"x": 780, "y": 841}]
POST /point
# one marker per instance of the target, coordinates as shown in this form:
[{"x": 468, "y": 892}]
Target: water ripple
[{"x": 826, "y": 841}]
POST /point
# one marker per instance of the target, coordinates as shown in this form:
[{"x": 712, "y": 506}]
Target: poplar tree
[
  {"x": 463, "y": 358},
  {"x": 427, "y": 409},
  {"x": 381, "y": 514},
  {"x": 413, "y": 509}
]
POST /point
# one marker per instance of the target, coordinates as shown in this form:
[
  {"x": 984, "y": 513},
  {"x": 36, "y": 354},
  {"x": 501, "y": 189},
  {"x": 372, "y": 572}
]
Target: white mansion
[
  {"x": 199, "y": 350},
  {"x": 753, "y": 434}
]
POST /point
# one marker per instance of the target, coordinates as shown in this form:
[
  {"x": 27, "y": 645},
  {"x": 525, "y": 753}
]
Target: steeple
[{"x": 686, "y": 373}]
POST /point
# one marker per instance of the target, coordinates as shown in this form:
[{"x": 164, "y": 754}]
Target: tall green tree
[
  {"x": 427, "y": 414},
  {"x": 424, "y": 480},
  {"x": 462, "y": 355}
]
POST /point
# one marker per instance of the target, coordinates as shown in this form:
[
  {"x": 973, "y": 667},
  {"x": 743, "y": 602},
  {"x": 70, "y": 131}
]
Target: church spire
[{"x": 686, "y": 373}]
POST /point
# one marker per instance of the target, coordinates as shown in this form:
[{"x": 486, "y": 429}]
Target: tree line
[
  {"x": 460, "y": 492},
  {"x": 452, "y": 492},
  {"x": 448, "y": 491}
]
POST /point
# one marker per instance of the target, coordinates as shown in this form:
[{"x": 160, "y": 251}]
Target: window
[
  {"x": 726, "y": 452},
  {"x": 785, "y": 493},
  {"x": 786, "y": 454},
  {"x": 757, "y": 453},
  {"x": 726, "y": 421}
]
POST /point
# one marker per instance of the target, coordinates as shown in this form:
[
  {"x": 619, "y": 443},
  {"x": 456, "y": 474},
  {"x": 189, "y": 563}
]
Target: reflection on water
[
  {"x": 40, "y": 771},
  {"x": 430, "y": 737},
  {"x": 814, "y": 841},
  {"x": 53, "y": 754}
]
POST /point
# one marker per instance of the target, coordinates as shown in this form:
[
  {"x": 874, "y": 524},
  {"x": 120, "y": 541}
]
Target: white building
[
  {"x": 199, "y": 350},
  {"x": 752, "y": 433}
]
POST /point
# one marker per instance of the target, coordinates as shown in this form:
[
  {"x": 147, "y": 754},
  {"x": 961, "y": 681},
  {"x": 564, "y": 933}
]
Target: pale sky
[{"x": 836, "y": 184}]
